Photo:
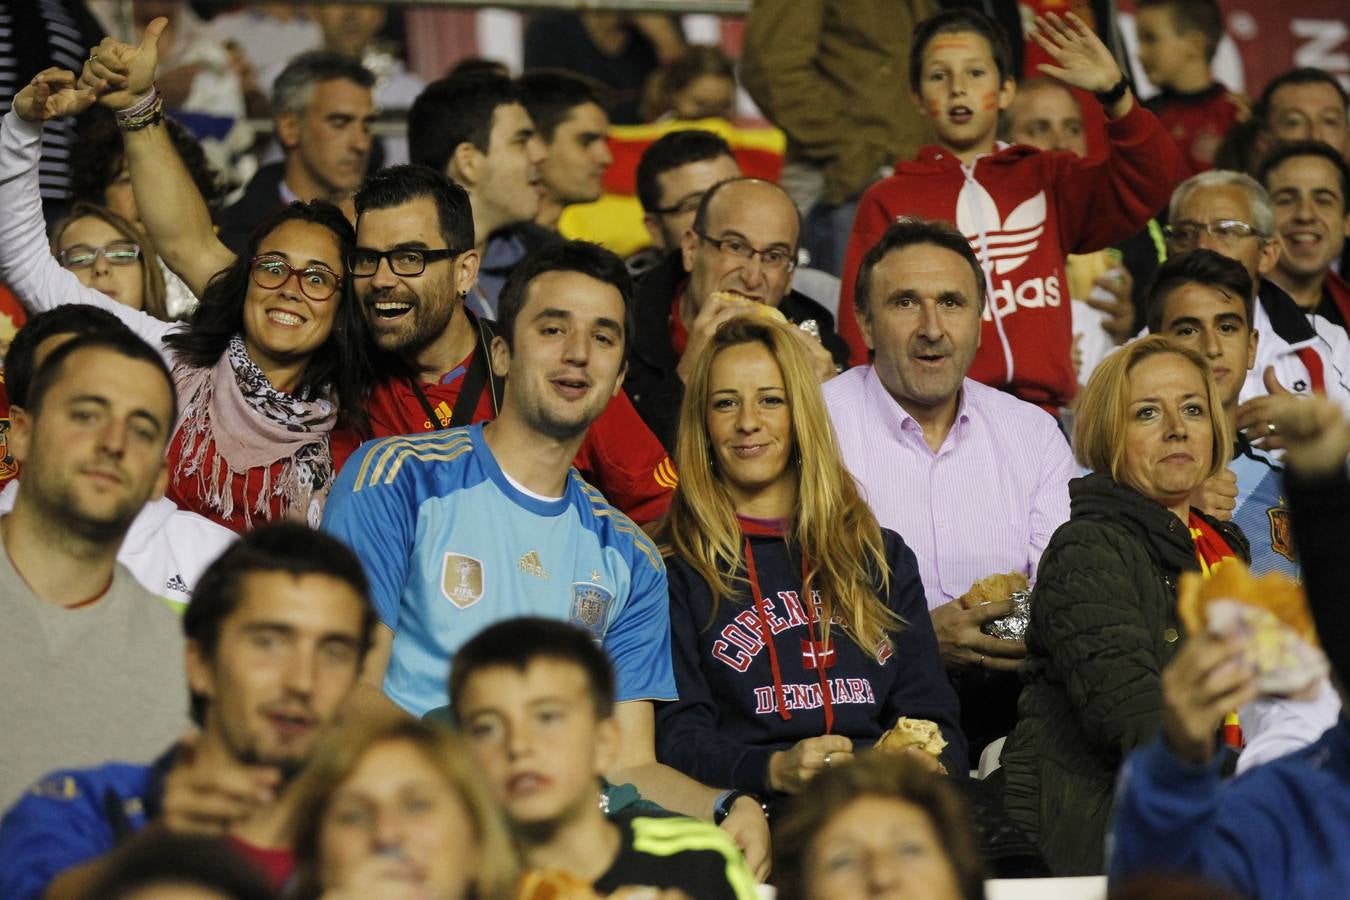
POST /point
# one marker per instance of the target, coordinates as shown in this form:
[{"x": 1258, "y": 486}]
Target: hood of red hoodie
[{"x": 936, "y": 158}]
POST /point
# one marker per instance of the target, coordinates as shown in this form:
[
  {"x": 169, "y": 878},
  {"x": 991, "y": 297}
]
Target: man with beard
[
  {"x": 276, "y": 633},
  {"x": 91, "y": 661},
  {"x": 467, "y": 527},
  {"x": 412, "y": 269}
]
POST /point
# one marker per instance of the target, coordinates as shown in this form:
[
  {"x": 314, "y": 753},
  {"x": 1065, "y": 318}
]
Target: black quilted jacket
[{"x": 1103, "y": 624}]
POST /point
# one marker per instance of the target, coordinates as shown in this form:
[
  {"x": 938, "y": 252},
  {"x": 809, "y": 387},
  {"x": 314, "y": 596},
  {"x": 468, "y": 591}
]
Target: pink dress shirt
[{"x": 985, "y": 503}]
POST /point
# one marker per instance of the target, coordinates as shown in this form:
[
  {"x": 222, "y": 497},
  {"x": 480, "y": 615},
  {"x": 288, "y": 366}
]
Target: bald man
[{"x": 742, "y": 246}]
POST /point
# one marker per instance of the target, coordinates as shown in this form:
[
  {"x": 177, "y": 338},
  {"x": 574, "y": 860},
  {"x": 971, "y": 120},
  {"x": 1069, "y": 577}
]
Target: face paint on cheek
[
  {"x": 989, "y": 102},
  {"x": 934, "y": 109}
]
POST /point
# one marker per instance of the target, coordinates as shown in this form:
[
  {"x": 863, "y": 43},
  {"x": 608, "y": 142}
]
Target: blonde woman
[
  {"x": 1151, "y": 426},
  {"x": 799, "y": 626},
  {"x": 396, "y": 808}
]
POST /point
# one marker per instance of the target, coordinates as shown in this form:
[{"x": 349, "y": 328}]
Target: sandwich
[
  {"x": 1271, "y": 611},
  {"x": 908, "y": 733},
  {"x": 993, "y": 588},
  {"x": 750, "y": 307}
]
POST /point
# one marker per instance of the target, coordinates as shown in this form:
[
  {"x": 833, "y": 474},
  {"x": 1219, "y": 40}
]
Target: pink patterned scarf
[{"x": 233, "y": 410}]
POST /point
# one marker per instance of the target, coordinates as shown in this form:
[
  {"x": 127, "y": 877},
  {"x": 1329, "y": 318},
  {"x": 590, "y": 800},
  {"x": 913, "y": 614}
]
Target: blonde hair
[
  {"x": 833, "y": 527},
  {"x": 153, "y": 292},
  {"x": 1104, "y": 408},
  {"x": 342, "y": 751}
]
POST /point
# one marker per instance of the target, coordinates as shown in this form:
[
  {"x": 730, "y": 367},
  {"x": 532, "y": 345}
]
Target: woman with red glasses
[{"x": 270, "y": 368}]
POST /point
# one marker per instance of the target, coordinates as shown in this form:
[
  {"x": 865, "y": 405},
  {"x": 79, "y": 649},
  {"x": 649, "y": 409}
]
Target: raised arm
[
  {"x": 26, "y": 262},
  {"x": 172, "y": 209},
  {"x": 1104, "y": 201}
]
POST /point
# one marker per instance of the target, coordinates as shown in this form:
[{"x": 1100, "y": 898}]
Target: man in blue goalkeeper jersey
[{"x": 463, "y": 528}]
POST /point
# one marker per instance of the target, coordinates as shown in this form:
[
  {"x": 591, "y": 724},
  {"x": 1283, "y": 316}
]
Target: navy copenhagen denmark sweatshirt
[{"x": 740, "y": 701}]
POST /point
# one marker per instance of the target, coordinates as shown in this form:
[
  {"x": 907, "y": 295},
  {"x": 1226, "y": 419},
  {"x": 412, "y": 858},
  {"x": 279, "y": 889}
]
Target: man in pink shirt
[{"x": 972, "y": 478}]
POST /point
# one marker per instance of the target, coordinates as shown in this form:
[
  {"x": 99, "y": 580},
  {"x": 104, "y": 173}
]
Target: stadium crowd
[{"x": 961, "y": 496}]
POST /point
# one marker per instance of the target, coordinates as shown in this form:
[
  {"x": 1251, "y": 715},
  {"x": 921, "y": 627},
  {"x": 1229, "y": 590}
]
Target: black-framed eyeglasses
[
  {"x": 364, "y": 262},
  {"x": 684, "y": 205},
  {"x": 1224, "y": 231},
  {"x": 775, "y": 258},
  {"x": 117, "y": 253},
  {"x": 316, "y": 282}
]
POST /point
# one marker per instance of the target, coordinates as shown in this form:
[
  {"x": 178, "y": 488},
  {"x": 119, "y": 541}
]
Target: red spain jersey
[{"x": 9, "y": 466}]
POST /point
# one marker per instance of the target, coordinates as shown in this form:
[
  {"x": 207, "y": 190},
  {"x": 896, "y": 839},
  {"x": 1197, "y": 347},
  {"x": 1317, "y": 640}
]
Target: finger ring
[
  {"x": 827, "y": 760},
  {"x": 1270, "y": 428},
  {"x": 93, "y": 57},
  {"x": 981, "y": 662}
]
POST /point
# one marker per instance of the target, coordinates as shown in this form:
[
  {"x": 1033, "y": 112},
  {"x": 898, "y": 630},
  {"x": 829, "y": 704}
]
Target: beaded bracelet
[{"x": 149, "y": 110}]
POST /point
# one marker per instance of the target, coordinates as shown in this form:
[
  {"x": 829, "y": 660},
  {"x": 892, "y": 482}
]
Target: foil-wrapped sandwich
[
  {"x": 1013, "y": 626},
  {"x": 994, "y": 589}
]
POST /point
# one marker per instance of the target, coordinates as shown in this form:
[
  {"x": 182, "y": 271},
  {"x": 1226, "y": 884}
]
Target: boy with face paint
[{"x": 1021, "y": 209}]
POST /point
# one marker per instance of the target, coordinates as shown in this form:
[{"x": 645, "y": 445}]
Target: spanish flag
[{"x": 615, "y": 220}]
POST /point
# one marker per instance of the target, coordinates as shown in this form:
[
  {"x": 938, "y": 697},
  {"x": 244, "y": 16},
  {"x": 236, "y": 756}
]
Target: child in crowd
[
  {"x": 1021, "y": 209},
  {"x": 1177, "y": 40},
  {"x": 535, "y": 700}
]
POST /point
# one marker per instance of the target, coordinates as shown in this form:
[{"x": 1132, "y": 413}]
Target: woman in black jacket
[
  {"x": 799, "y": 626},
  {"x": 1103, "y": 613}
]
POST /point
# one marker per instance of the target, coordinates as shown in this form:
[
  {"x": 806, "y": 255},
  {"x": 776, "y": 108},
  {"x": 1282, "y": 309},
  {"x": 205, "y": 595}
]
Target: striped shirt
[
  {"x": 65, "y": 48},
  {"x": 986, "y": 502}
]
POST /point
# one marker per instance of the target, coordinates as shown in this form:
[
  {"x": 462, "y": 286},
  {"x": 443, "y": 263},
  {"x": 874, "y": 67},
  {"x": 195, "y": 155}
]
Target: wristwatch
[
  {"x": 1109, "y": 97},
  {"x": 725, "y": 800}
]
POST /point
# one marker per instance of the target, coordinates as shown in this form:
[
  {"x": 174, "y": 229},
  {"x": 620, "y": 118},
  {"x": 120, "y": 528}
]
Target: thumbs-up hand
[
  {"x": 1255, "y": 419},
  {"x": 123, "y": 74}
]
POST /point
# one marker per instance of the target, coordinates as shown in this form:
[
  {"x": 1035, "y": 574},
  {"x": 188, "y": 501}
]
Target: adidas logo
[
  {"x": 1012, "y": 240},
  {"x": 443, "y": 415},
  {"x": 177, "y": 584},
  {"x": 530, "y": 564}
]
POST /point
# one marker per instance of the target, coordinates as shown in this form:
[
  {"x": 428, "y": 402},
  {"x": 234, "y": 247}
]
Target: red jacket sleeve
[
  {"x": 1102, "y": 202},
  {"x": 622, "y": 458}
]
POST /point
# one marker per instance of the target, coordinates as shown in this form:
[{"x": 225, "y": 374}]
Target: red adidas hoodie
[{"x": 1023, "y": 210}]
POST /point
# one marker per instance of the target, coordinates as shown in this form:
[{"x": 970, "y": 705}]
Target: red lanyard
[{"x": 766, "y": 634}]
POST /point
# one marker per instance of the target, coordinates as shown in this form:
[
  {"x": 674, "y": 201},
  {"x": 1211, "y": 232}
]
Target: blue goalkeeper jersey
[
  {"x": 451, "y": 546},
  {"x": 1263, "y": 511}
]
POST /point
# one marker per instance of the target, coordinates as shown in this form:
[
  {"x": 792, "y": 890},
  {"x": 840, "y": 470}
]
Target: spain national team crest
[
  {"x": 590, "y": 607},
  {"x": 462, "y": 580},
  {"x": 1280, "y": 539},
  {"x": 9, "y": 467}
]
